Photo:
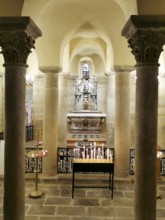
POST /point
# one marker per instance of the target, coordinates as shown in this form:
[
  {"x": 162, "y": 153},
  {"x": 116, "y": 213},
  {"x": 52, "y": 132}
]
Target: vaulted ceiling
[{"x": 73, "y": 29}]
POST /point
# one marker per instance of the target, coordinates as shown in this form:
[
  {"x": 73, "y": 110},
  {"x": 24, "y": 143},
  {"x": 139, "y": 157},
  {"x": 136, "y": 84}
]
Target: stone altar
[{"x": 86, "y": 122}]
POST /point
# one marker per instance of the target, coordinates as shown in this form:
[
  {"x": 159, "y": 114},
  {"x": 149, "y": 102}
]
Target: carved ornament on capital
[
  {"x": 146, "y": 45},
  {"x": 146, "y": 36},
  {"x": 16, "y": 47},
  {"x": 17, "y": 38}
]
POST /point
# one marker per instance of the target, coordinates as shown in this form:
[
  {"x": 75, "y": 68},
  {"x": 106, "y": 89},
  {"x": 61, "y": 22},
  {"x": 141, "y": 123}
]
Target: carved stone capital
[
  {"x": 17, "y": 38},
  {"x": 146, "y": 37},
  {"x": 146, "y": 45},
  {"x": 16, "y": 47}
]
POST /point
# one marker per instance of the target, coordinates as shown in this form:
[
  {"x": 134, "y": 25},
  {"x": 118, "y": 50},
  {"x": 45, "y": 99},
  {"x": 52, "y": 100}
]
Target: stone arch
[{"x": 90, "y": 41}]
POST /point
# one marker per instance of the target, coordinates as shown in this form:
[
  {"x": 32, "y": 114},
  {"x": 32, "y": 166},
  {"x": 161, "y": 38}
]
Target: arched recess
[
  {"x": 98, "y": 66},
  {"x": 77, "y": 62},
  {"x": 86, "y": 40},
  {"x": 92, "y": 48},
  {"x": 90, "y": 63}
]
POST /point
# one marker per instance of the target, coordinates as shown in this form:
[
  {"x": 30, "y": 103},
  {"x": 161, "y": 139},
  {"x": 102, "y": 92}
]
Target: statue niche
[{"x": 86, "y": 93}]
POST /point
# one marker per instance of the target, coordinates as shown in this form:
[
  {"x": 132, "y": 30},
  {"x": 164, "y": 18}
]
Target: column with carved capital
[
  {"x": 122, "y": 120},
  {"x": 17, "y": 37},
  {"x": 146, "y": 37},
  {"x": 50, "y": 117}
]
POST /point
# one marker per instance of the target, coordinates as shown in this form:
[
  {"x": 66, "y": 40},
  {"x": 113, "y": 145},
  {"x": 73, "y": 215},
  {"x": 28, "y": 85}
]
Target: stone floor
[{"x": 88, "y": 203}]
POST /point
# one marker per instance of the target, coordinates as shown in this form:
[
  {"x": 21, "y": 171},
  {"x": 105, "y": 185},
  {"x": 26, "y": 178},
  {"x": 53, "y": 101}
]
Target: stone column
[
  {"x": 146, "y": 36},
  {"x": 63, "y": 97},
  {"x": 50, "y": 118},
  {"x": 38, "y": 106},
  {"x": 122, "y": 121},
  {"x": 17, "y": 37},
  {"x": 110, "y": 120}
]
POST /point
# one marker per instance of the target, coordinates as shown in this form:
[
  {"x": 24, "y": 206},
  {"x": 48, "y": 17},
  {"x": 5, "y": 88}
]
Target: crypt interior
[{"x": 82, "y": 89}]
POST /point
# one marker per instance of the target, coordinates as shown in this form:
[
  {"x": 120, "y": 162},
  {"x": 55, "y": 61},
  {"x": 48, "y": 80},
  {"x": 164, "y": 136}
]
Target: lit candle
[
  {"x": 111, "y": 158},
  {"x": 107, "y": 153},
  {"x": 102, "y": 150},
  {"x": 78, "y": 150},
  {"x": 87, "y": 153},
  {"x": 91, "y": 154},
  {"x": 99, "y": 153}
]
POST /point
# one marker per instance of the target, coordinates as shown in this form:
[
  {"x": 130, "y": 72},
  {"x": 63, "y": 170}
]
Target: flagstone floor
[{"x": 87, "y": 204}]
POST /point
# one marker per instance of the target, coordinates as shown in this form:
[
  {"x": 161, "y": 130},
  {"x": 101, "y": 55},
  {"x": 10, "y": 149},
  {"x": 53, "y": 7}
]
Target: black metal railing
[{"x": 29, "y": 133}]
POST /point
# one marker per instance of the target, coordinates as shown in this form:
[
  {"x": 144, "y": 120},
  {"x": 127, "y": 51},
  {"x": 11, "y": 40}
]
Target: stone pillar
[
  {"x": 146, "y": 36},
  {"x": 63, "y": 96},
  {"x": 50, "y": 118},
  {"x": 110, "y": 120},
  {"x": 17, "y": 37},
  {"x": 38, "y": 106},
  {"x": 122, "y": 121}
]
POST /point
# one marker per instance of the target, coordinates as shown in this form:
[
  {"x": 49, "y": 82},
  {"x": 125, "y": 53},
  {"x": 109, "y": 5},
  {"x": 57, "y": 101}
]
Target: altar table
[{"x": 93, "y": 166}]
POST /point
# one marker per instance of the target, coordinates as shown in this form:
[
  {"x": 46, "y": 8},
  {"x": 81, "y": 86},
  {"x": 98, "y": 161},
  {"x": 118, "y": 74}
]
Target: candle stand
[{"x": 37, "y": 154}]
